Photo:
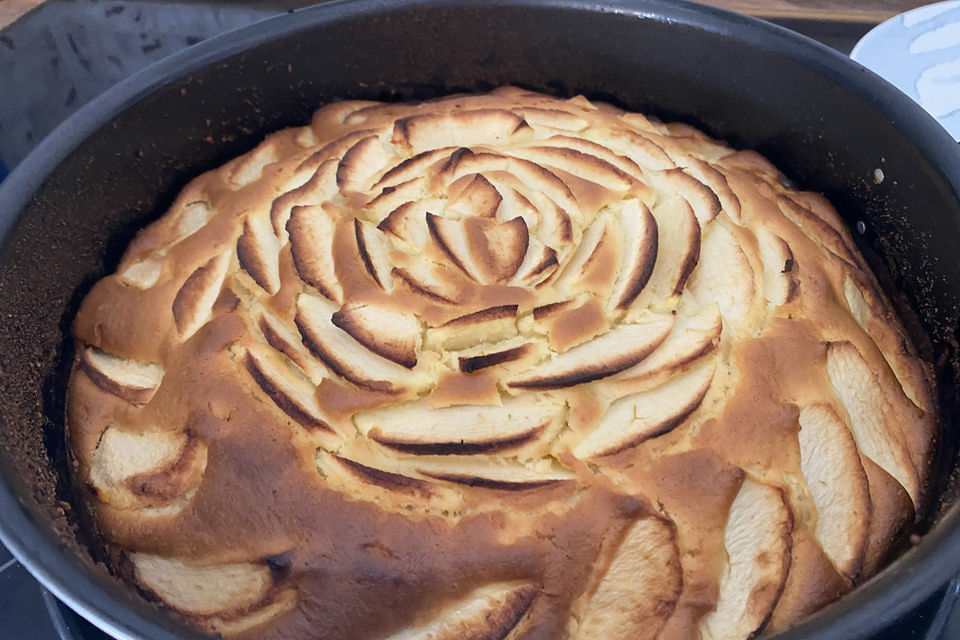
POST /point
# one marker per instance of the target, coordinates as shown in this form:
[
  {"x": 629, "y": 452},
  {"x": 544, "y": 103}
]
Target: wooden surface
[{"x": 867, "y": 11}]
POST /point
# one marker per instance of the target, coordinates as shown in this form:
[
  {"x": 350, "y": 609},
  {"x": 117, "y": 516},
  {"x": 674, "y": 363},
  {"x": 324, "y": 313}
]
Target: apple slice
[
  {"x": 494, "y": 354},
  {"x": 287, "y": 341},
  {"x": 723, "y": 275},
  {"x": 258, "y": 252},
  {"x": 648, "y": 414},
  {"x": 192, "y": 217},
  {"x": 315, "y": 191},
  {"x": 461, "y": 430},
  {"x": 639, "y": 230},
  {"x": 292, "y": 393},
  {"x": 492, "y": 324},
  {"x": 872, "y": 422},
  {"x": 716, "y": 182},
  {"x": 374, "y": 250},
  {"x": 429, "y": 279},
  {"x": 360, "y": 163},
  {"x": 227, "y": 599},
  {"x": 487, "y": 251},
  {"x": 539, "y": 264},
  {"x": 193, "y": 305},
  {"x": 779, "y": 283},
  {"x": 818, "y": 230},
  {"x": 553, "y": 118},
  {"x": 394, "y": 335},
  {"x": 610, "y": 353},
  {"x": 249, "y": 167},
  {"x": 838, "y": 484},
  {"x": 577, "y": 163},
  {"x": 344, "y": 355},
  {"x": 477, "y": 198},
  {"x": 143, "y": 273},
  {"x": 488, "y": 612},
  {"x": 408, "y": 222},
  {"x": 415, "y": 190},
  {"x": 703, "y": 201},
  {"x": 623, "y": 163},
  {"x": 457, "y": 129},
  {"x": 691, "y": 338},
  {"x": 873, "y": 313},
  {"x": 130, "y": 380},
  {"x": 757, "y": 541},
  {"x": 640, "y": 149},
  {"x": 497, "y": 477},
  {"x": 602, "y": 231},
  {"x": 413, "y": 168},
  {"x": 138, "y": 470},
  {"x": 678, "y": 250},
  {"x": 311, "y": 242},
  {"x": 639, "y": 586}
]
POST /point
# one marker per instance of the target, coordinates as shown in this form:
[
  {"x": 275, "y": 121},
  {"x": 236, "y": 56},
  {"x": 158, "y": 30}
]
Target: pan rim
[{"x": 901, "y": 586}]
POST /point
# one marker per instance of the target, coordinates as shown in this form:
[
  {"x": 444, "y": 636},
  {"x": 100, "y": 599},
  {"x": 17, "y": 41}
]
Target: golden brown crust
[{"x": 497, "y": 366}]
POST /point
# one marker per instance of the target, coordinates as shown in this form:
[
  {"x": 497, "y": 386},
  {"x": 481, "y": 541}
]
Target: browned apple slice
[
  {"x": 457, "y": 129},
  {"x": 374, "y": 250},
  {"x": 408, "y": 222},
  {"x": 492, "y": 324},
  {"x": 757, "y": 541},
  {"x": 779, "y": 282},
  {"x": 258, "y": 251},
  {"x": 345, "y": 356},
  {"x": 143, "y": 469},
  {"x": 290, "y": 390},
  {"x": 717, "y": 182},
  {"x": 460, "y": 430},
  {"x": 429, "y": 279},
  {"x": 495, "y": 476},
  {"x": 193, "y": 305},
  {"x": 610, "y": 353},
  {"x": 415, "y": 190},
  {"x": 335, "y": 149},
  {"x": 487, "y": 613},
  {"x": 311, "y": 241},
  {"x": 641, "y": 150},
  {"x": 536, "y": 178},
  {"x": 318, "y": 189},
  {"x": 705, "y": 204},
  {"x": 874, "y": 427},
  {"x": 143, "y": 273},
  {"x": 623, "y": 163},
  {"x": 395, "y": 335},
  {"x": 602, "y": 231},
  {"x": 477, "y": 198},
  {"x": 553, "y": 118},
  {"x": 837, "y": 482},
  {"x": 516, "y": 205},
  {"x": 639, "y": 231},
  {"x": 287, "y": 341},
  {"x": 678, "y": 250},
  {"x": 413, "y": 168},
  {"x": 639, "y": 587},
  {"x": 873, "y": 314},
  {"x": 817, "y": 229},
  {"x": 360, "y": 163},
  {"x": 723, "y": 275},
  {"x": 133, "y": 381},
  {"x": 577, "y": 163},
  {"x": 492, "y": 355},
  {"x": 634, "y": 419},
  {"x": 485, "y": 250},
  {"x": 227, "y": 598},
  {"x": 539, "y": 264},
  {"x": 691, "y": 338}
]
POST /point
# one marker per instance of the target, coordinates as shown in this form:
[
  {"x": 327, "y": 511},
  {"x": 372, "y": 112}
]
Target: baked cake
[{"x": 497, "y": 366}]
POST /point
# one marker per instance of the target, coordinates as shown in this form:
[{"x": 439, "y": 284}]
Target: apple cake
[{"x": 496, "y": 366}]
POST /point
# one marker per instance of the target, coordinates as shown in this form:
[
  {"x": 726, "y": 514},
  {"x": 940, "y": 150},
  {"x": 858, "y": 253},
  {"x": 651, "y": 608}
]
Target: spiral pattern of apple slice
[{"x": 459, "y": 306}]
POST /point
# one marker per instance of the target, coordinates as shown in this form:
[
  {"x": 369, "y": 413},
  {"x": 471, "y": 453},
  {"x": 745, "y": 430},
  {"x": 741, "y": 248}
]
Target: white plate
[{"x": 919, "y": 52}]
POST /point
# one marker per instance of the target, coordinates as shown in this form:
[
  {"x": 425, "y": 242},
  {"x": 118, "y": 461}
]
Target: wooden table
[{"x": 866, "y": 11}]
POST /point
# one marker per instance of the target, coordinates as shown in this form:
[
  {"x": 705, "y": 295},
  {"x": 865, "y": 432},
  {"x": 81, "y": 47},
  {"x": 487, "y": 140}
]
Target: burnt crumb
[
  {"x": 8, "y": 41},
  {"x": 112, "y": 11},
  {"x": 192, "y": 40},
  {"x": 280, "y": 562},
  {"x": 153, "y": 46},
  {"x": 71, "y": 97}
]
